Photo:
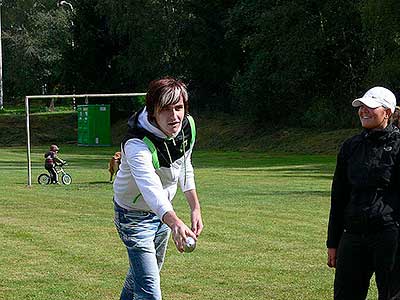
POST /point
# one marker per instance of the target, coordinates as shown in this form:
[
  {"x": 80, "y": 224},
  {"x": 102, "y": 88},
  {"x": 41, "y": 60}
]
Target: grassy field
[{"x": 265, "y": 225}]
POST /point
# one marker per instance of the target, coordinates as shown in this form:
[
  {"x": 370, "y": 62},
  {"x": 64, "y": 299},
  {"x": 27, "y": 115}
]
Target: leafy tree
[
  {"x": 143, "y": 38},
  {"x": 382, "y": 43},
  {"x": 301, "y": 59},
  {"x": 341, "y": 65},
  {"x": 35, "y": 37},
  {"x": 185, "y": 39},
  {"x": 210, "y": 58},
  {"x": 297, "y": 62},
  {"x": 280, "y": 42}
]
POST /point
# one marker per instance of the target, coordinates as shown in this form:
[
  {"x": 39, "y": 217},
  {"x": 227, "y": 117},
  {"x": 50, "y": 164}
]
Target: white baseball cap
[{"x": 375, "y": 97}]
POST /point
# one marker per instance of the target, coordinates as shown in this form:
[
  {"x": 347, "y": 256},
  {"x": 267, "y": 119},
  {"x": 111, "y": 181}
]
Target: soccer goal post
[{"x": 36, "y": 97}]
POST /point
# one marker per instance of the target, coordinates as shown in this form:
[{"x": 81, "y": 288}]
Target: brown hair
[
  {"x": 164, "y": 92},
  {"x": 395, "y": 118}
]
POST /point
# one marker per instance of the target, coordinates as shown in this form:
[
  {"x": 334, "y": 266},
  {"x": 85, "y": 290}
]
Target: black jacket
[{"x": 365, "y": 193}]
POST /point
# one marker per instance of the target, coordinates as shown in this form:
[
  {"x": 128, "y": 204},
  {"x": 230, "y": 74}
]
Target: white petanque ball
[{"x": 190, "y": 244}]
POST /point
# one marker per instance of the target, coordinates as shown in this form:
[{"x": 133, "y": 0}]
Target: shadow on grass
[
  {"x": 100, "y": 183},
  {"x": 316, "y": 176},
  {"x": 289, "y": 193}
]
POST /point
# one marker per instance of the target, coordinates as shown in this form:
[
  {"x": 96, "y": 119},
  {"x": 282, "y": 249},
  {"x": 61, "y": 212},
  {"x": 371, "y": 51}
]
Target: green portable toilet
[{"x": 94, "y": 128}]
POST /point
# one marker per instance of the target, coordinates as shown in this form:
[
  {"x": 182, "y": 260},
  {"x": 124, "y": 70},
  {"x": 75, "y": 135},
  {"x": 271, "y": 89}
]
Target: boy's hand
[{"x": 180, "y": 232}]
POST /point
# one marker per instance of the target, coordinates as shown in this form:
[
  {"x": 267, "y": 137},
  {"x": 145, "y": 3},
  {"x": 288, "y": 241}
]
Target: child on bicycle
[{"x": 51, "y": 161}]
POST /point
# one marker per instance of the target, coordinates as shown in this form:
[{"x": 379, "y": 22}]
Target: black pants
[
  {"x": 53, "y": 173},
  {"x": 361, "y": 255}
]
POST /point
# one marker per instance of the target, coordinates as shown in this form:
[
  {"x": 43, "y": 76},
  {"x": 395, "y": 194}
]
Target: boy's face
[{"x": 169, "y": 118}]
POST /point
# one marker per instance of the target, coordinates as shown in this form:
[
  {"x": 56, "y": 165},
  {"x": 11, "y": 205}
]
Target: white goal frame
[{"x": 33, "y": 97}]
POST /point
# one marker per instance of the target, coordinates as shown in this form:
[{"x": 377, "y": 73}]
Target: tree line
[{"x": 285, "y": 63}]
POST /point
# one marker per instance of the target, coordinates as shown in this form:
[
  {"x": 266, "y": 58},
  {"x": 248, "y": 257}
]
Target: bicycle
[{"x": 66, "y": 179}]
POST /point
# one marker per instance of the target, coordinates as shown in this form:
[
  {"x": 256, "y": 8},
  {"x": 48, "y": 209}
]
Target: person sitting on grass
[{"x": 51, "y": 160}]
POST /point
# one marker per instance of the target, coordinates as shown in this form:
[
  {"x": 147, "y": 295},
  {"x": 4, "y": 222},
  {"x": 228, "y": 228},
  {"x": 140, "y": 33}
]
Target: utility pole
[
  {"x": 1, "y": 64},
  {"x": 69, "y": 5}
]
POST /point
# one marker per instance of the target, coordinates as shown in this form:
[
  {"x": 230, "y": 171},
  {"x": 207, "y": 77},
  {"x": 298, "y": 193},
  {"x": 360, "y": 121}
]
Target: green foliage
[
  {"x": 382, "y": 26},
  {"x": 277, "y": 63},
  {"x": 184, "y": 39},
  {"x": 208, "y": 56},
  {"x": 146, "y": 38},
  {"x": 299, "y": 53},
  {"x": 34, "y": 44}
]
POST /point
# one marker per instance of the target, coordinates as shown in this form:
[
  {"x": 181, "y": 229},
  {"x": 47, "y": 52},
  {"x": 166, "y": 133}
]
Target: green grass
[{"x": 264, "y": 238}]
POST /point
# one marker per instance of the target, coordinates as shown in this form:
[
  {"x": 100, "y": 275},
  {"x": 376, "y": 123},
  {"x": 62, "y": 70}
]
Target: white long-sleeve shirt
[{"x": 139, "y": 186}]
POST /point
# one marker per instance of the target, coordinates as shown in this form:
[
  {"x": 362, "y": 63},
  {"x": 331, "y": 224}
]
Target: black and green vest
[{"x": 164, "y": 150}]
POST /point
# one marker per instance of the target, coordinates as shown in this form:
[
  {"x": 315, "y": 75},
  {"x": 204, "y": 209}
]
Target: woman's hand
[{"x": 331, "y": 257}]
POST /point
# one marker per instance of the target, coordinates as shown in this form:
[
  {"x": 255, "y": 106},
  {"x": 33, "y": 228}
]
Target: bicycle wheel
[
  {"x": 44, "y": 179},
  {"x": 66, "y": 179}
]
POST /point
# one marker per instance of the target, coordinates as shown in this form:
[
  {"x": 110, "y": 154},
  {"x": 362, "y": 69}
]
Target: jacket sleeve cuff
[
  {"x": 190, "y": 185},
  {"x": 332, "y": 244},
  {"x": 163, "y": 212}
]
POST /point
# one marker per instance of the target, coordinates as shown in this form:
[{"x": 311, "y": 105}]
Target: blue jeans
[{"x": 145, "y": 238}]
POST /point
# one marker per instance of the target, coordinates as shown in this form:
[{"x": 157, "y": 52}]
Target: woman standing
[{"x": 363, "y": 230}]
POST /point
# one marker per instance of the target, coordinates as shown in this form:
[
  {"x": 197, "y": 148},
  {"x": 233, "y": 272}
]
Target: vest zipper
[
  {"x": 184, "y": 156},
  {"x": 169, "y": 155}
]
